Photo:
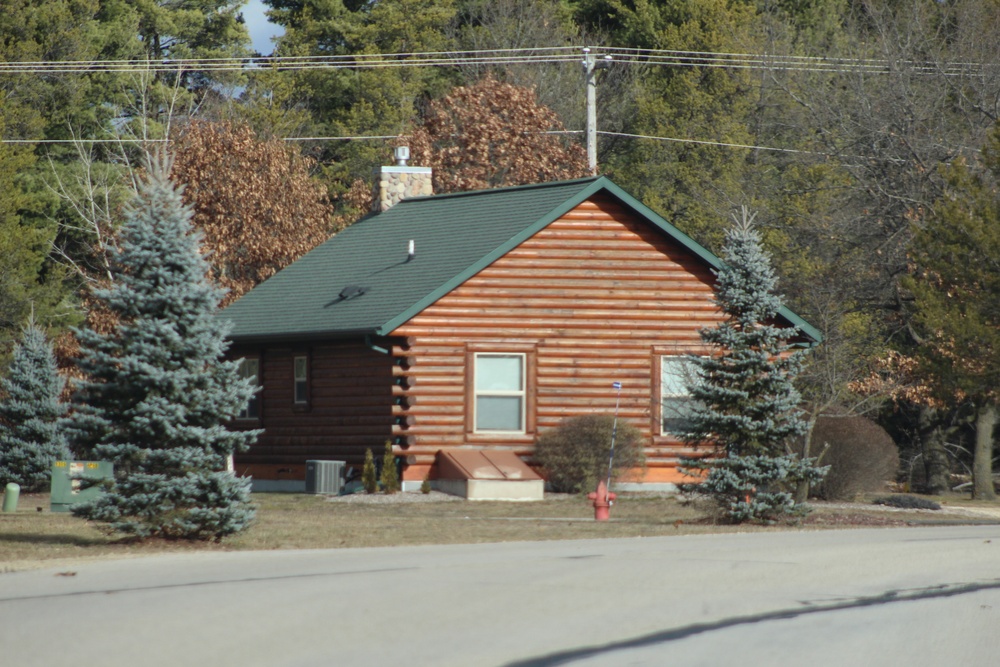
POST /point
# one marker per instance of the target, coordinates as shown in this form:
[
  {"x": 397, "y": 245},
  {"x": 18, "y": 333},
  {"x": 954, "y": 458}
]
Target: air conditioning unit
[{"x": 324, "y": 476}]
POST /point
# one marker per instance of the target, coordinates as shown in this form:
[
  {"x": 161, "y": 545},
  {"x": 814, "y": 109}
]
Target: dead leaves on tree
[
  {"x": 253, "y": 200},
  {"x": 494, "y": 134}
]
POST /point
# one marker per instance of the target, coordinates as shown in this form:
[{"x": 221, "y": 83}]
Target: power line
[
  {"x": 556, "y": 54},
  {"x": 114, "y": 140},
  {"x": 710, "y": 143},
  {"x": 385, "y": 137},
  {"x": 355, "y": 61},
  {"x": 123, "y": 140}
]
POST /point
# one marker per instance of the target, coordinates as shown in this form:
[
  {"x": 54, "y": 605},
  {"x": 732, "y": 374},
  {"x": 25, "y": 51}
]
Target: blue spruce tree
[
  {"x": 745, "y": 403},
  {"x": 158, "y": 393},
  {"x": 30, "y": 435}
]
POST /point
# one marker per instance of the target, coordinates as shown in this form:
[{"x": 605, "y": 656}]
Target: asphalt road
[{"x": 908, "y": 597}]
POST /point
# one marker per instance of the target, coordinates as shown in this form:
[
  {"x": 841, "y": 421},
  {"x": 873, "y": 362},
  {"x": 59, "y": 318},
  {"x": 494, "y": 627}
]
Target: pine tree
[
  {"x": 158, "y": 393},
  {"x": 369, "y": 478},
  {"x": 30, "y": 436},
  {"x": 956, "y": 301},
  {"x": 745, "y": 403}
]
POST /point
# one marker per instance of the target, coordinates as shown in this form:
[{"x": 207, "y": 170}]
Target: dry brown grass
[{"x": 32, "y": 538}]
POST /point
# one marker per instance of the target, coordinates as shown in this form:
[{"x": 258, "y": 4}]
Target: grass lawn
[{"x": 32, "y": 538}]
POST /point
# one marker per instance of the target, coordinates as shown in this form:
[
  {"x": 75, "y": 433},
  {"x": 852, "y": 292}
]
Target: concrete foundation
[
  {"x": 278, "y": 486},
  {"x": 493, "y": 489}
]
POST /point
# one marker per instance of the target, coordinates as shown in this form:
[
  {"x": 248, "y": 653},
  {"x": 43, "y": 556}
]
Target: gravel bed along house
[{"x": 394, "y": 498}]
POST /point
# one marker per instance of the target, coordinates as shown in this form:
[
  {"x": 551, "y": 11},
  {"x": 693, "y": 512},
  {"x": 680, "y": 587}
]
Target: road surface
[{"x": 905, "y": 596}]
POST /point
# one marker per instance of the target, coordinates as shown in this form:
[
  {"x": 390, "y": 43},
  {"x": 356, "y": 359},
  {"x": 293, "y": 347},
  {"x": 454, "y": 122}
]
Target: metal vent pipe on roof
[{"x": 402, "y": 154}]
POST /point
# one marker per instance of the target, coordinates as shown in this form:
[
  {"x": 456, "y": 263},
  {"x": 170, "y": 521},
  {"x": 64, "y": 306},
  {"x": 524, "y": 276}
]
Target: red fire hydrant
[{"x": 602, "y": 501}]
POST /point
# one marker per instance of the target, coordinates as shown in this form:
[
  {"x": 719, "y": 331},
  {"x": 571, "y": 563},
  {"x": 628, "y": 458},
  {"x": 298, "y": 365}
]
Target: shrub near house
[{"x": 577, "y": 453}]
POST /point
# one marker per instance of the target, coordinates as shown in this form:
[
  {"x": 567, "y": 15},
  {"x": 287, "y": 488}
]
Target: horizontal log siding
[
  {"x": 350, "y": 408},
  {"x": 595, "y": 296}
]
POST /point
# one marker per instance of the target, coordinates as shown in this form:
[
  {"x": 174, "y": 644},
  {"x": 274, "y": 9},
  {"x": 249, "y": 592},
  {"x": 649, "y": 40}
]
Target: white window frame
[
  {"x": 521, "y": 394},
  {"x": 251, "y": 409},
  {"x": 668, "y": 361},
  {"x": 300, "y": 381}
]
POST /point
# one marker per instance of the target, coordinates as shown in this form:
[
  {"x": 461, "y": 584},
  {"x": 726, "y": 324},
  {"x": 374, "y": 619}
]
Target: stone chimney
[{"x": 400, "y": 181}]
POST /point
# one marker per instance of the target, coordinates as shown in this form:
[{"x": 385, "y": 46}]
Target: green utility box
[{"x": 68, "y": 486}]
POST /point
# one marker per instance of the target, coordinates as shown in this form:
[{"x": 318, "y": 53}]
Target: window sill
[{"x": 491, "y": 436}]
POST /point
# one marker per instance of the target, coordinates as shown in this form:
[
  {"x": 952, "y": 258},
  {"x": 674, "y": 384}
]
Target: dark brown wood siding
[
  {"x": 595, "y": 297},
  {"x": 350, "y": 408}
]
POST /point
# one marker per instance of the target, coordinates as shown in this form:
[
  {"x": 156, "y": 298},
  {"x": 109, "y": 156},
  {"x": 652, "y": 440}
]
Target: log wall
[
  {"x": 350, "y": 408},
  {"x": 595, "y": 297}
]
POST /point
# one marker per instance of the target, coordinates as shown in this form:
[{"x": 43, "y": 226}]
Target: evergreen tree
[
  {"x": 369, "y": 477},
  {"x": 956, "y": 301},
  {"x": 745, "y": 403},
  {"x": 694, "y": 183},
  {"x": 380, "y": 101},
  {"x": 158, "y": 394},
  {"x": 30, "y": 436},
  {"x": 27, "y": 283}
]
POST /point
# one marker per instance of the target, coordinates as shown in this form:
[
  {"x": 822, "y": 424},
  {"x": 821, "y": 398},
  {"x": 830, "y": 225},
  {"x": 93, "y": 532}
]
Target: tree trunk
[
  {"x": 982, "y": 462},
  {"x": 802, "y": 489},
  {"x": 933, "y": 453}
]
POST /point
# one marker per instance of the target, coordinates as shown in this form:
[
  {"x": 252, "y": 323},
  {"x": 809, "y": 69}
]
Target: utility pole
[{"x": 590, "y": 66}]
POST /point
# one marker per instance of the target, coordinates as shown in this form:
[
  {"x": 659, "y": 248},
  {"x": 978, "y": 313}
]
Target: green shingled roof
[{"x": 455, "y": 236}]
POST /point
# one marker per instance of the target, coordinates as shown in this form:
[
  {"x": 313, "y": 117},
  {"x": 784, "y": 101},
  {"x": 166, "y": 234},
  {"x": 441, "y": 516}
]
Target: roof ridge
[{"x": 507, "y": 188}]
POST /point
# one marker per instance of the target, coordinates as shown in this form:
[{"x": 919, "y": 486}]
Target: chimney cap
[{"x": 402, "y": 154}]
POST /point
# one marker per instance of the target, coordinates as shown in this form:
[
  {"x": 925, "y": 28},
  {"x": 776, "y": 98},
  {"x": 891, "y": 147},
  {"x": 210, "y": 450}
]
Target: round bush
[
  {"x": 862, "y": 457},
  {"x": 575, "y": 453}
]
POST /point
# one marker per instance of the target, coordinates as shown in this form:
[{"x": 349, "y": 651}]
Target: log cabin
[{"x": 475, "y": 321}]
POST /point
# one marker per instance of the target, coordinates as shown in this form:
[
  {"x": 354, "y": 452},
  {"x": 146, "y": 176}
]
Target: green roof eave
[
  {"x": 711, "y": 258},
  {"x": 300, "y": 336}
]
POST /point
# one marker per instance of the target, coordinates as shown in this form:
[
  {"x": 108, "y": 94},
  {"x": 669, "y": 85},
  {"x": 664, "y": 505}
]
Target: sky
[{"x": 261, "y": 31}]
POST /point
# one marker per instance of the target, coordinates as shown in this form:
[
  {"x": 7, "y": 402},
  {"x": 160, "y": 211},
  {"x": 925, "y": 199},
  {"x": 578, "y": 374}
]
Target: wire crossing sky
[
  {"x": 535, "y": 55},
  {"x": 554, "y": 54}
]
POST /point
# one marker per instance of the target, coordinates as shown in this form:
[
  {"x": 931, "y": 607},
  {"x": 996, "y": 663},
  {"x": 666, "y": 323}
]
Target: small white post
[{"x": 614, "y": 431}]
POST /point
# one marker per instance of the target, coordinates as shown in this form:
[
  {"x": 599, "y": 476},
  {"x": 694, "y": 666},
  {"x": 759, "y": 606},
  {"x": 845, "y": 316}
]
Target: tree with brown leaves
[
  {"x": 254, "y": 201},
  {"x": 492, "y": 134}
]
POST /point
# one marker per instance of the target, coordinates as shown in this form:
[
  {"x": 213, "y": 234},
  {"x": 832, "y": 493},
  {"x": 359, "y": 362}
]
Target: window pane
[
  {"x": 676, "y": 372},
  {"x": 252, "y": 409},
  {"x": 675, "y": 400},
  {"x": 676, "y": 415},
  {"x": 498, "y": 413},
  {"x": 499, "y": 372},
  {"x": 301, "y": 379},
  {"x": 250, "y": 368}
]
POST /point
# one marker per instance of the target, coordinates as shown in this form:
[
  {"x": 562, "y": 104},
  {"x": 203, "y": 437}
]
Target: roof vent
[
  {"x": 402, "y": 154},
  {"x": 352, "y": 291}
]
